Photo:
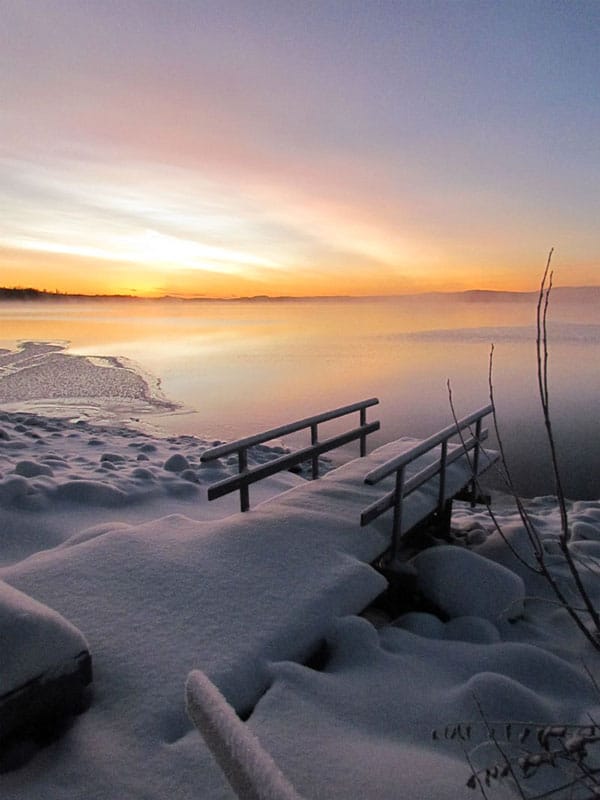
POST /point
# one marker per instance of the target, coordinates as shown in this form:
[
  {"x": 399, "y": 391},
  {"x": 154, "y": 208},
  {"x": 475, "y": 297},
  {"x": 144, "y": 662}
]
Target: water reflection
[{"x": 243, "y": 367}]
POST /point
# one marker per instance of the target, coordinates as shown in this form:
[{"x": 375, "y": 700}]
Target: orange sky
[{"x": 228, "y": 149}]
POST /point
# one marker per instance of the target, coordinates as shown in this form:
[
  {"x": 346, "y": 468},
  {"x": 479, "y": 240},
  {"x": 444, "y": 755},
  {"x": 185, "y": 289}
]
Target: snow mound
[
  {"x": 462, "y": 583},
  {"x": 176, "y": 463},
  {"x": 584, "y": 529},
  {"x": 462, "y": 629},
  {"x": 31, "y": 469},
  {"x": 91, "y": 492},
  {"x": 364, "y": 723}
]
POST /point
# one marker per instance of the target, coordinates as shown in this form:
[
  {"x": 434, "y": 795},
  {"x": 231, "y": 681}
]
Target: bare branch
[
  {"x": 494, "y": 740},
  {"x": 488, "y": 506},
  {"x": 580, "y": 612},
  {"x": 542, "y": 370}
]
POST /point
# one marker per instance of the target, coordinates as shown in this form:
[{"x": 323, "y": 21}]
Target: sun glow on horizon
[
  {"x": 173, "y": 151},
  {"x": 158, "y": 230}
]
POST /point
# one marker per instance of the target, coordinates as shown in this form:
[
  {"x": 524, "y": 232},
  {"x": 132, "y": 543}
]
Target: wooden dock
[
  {"x": 416, "y": 479},
  {"x": 261, "y": 586}
]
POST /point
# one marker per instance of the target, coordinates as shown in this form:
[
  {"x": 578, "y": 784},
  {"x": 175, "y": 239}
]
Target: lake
[{"x": 239, "y": 367}]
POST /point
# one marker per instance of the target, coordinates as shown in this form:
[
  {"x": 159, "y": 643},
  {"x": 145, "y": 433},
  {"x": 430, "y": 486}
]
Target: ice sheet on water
[
  {"x": 562, "y": 331},
  {"x": 43, "y": 376}
]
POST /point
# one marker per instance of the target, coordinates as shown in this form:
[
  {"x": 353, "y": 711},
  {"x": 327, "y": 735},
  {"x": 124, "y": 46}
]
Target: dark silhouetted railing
[
  {"x": 405, "y": 486},
  {"x": 246, "y": 475}
]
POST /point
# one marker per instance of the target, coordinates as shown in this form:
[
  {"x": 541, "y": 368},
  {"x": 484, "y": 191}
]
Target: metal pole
[
  {"x": 314, "y": 439},
  {"x": 244, "y": 492},
  {"x": 476, "y": 462},
  {"x": 363, "y": 438},
  {"x": 442, "y": 492},
  {"x": 397, "y": 524}
]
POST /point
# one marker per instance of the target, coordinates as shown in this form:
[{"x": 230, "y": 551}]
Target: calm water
[{"x": 238, "y": 368}]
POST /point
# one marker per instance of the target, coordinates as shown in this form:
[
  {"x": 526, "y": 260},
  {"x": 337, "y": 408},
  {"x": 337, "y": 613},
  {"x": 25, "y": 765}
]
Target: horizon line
[{"x": 32, "y": 293}]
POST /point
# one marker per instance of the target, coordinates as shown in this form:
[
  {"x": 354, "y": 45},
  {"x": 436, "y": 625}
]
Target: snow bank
[
  {"x": 57, "y": 478},
  {"x": 363, "y": 727},
  {"x": 161, "y": 583},
  {"x": 158, "y": 596}
]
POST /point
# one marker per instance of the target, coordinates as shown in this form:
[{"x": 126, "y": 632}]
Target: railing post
[
  {"x": 476, "y": 462},
  {"x": 363, "y": 438},
  {"x": 244, "y": 491},
  {"x": 241, "y": 482},
  {"x": 397, "y": 524},
  {"x": 442, "y": 492},
  {"x": 314, "y": 439}
]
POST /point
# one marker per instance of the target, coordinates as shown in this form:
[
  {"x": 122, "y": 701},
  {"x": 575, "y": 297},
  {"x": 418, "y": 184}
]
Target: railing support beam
[
  {"x": 363, "y": 438},
  {"x": 311, "y": 454},
  {"x": 476, "y": 462},
  {"x": 314, "y": 440},
  {"x": 397, "y": 525},
  {"x": 442, "y": 491},
  {"x": 405, "y": 486},
  {"x": 243, "y": 468}
]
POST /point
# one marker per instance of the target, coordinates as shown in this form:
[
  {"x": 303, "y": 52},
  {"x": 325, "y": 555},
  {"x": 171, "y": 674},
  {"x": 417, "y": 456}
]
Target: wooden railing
[
  {"x": 246, "y": 476},
  {"x": 404, "y": 487}
]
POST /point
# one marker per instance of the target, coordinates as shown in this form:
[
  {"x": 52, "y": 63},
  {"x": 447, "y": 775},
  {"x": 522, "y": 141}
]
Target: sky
[{"x": 298, "y": 147}]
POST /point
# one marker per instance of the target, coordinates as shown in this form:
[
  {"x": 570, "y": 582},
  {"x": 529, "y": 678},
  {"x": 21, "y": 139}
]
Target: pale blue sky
[{"x": 280, "y": 147}]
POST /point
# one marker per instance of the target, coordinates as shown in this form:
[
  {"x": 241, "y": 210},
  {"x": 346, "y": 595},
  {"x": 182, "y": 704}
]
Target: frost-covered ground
[{"x": 110, "y": 528}]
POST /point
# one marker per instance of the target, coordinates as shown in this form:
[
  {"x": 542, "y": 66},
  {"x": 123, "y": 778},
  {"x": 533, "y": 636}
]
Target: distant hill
[
  {"x": 21, "y": 294},
  {"x": 573, "y": 294},
  {"x": 577, "y": 294},
  {"x": 28, "y": 293}
]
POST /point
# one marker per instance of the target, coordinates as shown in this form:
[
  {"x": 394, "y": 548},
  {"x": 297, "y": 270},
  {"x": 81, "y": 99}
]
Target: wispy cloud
[{"x": 272, "y": 143}]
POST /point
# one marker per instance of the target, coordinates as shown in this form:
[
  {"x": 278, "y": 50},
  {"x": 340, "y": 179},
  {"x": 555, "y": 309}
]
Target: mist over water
[{"x": 236, "y": 368}]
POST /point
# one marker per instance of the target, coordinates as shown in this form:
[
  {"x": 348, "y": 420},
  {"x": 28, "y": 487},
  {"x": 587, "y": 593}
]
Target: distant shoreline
[{"x": 569, "y": 293}]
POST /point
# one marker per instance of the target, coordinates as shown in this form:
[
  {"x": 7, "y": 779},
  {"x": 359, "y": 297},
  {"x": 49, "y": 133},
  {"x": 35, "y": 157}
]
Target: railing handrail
[
  {"x": 246, "y": 476},
  {"x": 394, "y": 464},
  {"x": 404, "y": 486},
  {"x": 235, "y": 482},
  {"x": 283, "y": 430},
  {"x": 417, "y": 480}
]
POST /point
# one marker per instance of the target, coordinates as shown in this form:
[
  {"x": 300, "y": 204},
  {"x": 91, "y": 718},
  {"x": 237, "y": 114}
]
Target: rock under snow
[
  {"x": 31, "y": 469},
  {"x": 176, "y": 463},
  {"x": 462, "y": 583}
]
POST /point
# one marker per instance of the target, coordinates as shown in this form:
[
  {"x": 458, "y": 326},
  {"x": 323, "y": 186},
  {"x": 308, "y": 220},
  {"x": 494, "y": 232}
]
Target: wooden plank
[
  {"x": 283, "y": 430},
  {"x": 236, "y": 482}
]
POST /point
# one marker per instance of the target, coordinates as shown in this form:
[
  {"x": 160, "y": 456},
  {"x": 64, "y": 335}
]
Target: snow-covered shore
[{"x": 110, "y": 527}]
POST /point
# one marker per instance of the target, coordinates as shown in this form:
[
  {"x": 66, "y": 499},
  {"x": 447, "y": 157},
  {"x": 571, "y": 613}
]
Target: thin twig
[
  {"x": 475, "y": 773},
  {"x": 487, "y": 504},
  {"x": 530, "y": 529},
  {"x": 542, "y": 369},
  {"x": 498, "y": 747}
]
